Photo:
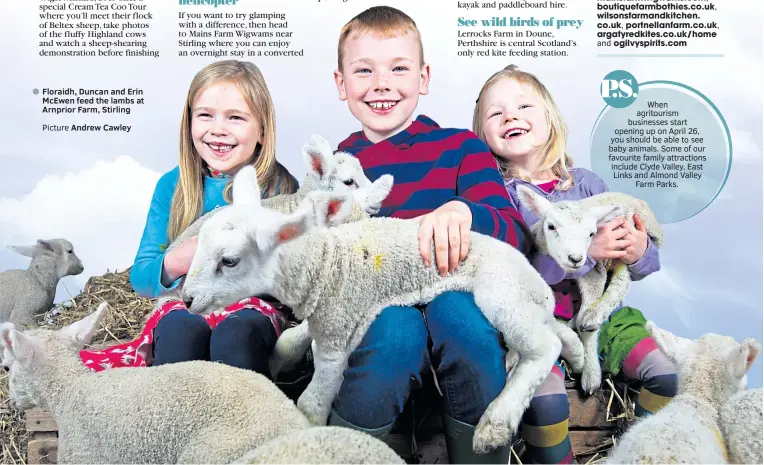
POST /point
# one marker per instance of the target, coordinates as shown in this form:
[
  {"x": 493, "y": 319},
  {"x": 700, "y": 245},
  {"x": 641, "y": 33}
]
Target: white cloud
[
  {"x": 744, "y": 148},
  {"x": 101, "y": 210}
]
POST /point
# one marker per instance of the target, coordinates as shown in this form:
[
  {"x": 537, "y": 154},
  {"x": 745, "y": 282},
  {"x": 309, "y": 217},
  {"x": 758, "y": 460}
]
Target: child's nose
[
  {"x": 218, "y": 126},
  {"x": 381, "y": 82}
]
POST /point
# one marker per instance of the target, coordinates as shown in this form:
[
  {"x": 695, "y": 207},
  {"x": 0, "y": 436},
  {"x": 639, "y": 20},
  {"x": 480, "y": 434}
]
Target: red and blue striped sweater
[{"x": 432, "y": 166}]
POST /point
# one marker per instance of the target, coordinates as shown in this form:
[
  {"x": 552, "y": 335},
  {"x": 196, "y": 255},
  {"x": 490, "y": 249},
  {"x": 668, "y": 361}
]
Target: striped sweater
[{"x": 432, "y": 166}]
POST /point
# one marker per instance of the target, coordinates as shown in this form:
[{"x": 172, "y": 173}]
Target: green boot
[{"x": 459, "y": 444}]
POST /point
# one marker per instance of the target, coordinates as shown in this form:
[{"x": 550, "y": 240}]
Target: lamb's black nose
[
  {"x": 575, "y": 259},
  {"x": 188, "y": 301}
]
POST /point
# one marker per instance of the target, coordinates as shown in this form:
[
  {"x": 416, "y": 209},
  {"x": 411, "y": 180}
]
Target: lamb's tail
[
  {"x": 290, "y": 348},
  {"x": 572, "y": 347}
]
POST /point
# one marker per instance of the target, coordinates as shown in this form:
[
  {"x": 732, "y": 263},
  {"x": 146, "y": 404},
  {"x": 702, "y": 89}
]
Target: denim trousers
[{"x": 450, "y": 332}]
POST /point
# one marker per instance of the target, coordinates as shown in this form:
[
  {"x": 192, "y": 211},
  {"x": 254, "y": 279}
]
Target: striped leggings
[{"x": 545, "y": 423}]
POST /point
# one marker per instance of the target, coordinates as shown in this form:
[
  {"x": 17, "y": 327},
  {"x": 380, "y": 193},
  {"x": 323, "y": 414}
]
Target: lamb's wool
[
  {"x": 740, "y": 419},
  {"x": 323, "y": 444},
  {"x": 191, "y": 412},
  {"x": 710, "y": 370}
]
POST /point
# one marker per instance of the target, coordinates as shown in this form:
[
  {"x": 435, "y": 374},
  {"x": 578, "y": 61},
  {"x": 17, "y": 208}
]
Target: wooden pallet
[{"x": 588, "y": 427}]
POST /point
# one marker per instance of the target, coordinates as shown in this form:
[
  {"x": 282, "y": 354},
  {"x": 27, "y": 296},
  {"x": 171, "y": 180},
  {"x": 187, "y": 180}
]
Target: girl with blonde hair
[
  {"x": 519, "y": 121},
  {"x": 228, "y": 121}
]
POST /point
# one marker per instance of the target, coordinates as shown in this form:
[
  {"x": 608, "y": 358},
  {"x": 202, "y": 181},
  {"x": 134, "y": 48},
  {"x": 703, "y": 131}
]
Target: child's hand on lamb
[
  {"x": 178, "y": 260},
  {"x": 611, "y": 241},
  {"x": 638, "y": 236},
  {"x": 450, "y": 226}
]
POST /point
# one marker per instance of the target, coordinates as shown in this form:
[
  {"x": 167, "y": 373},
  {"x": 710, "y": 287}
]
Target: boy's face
[
  {"x": 381, "y": 79},
  {"x": 514, "y": 121}
]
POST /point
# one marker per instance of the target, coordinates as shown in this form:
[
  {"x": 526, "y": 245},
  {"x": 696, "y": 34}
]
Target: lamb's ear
[
  {"x": 670, "y": 344},
  {"x": 741, "y": 358},
  {"x": 46, "y": 246},
  {"x": 606, "y": 213},
  {"x": 246, "y": 188},
  {"x": 532, "y": 201},
  {"x": 18, "y": 345},
  {"x": 80, "y": 332},
  {"x": 25, "y": 250},
  {"x": 334, "y": 209},
  {"x": 284, "y": 229},
  {"x": 318, "y": 156}
]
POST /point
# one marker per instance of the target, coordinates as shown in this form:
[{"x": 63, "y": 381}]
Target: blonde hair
[
  {"x": 557, "y": 160},
  {"x": 187, "y": 202},
  {"x": 383, "y": 22}
]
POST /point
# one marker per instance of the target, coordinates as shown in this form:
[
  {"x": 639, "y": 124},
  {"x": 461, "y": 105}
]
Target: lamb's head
[
  {"x": 58, "y": 251},
  {"x": 565, "y": 229},
  {"x": 237, "y": 249},
  {"x": 712, "y": 367},
  {"x": 330, "y": 171},
  {"x": 27, "y": 354}
]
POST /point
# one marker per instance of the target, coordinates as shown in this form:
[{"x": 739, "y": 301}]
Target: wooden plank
[
  {"x": 42, "y": 448},
  {"x": 586, "y": 443},
  {"x": 38, "y": 419},
  {"x": 588, "y": 411}
]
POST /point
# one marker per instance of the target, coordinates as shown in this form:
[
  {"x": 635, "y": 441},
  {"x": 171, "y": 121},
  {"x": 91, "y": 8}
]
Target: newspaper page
[{"x": 129, "y": 119}]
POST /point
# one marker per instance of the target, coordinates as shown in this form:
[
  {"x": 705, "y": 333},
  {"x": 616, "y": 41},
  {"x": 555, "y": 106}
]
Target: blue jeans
[
  {"x": 244, "y": 339},
  {"x": 466, "y": 352}
]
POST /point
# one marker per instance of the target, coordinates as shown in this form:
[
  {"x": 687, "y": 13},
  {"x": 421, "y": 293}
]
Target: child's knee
[{"x": 183, "y": 324}]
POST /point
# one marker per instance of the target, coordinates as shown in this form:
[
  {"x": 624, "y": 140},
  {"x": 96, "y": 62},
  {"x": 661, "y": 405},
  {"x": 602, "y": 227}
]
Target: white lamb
[
  {"x": 711, "y": 369},
  {"x": 323, "y": 444},
  {"x": 339, "y": 278},
  {"x": 26, "y": 294},
  {"x": 740, "y": 419},
  {"x": 328, "y": 171},
  {"x": 564, "y": 231},
  {"x": 191, "y": 412}
]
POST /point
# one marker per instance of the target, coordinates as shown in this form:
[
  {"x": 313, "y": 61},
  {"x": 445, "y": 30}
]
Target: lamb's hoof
[
  {"x": 489, "y": 436},
  {"x": 591, "y": 380}
]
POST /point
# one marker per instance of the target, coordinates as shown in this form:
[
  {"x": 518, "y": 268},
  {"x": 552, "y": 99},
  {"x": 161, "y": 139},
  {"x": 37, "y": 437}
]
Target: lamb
[
  {"x": 323, "y": 444},
  {"x": 740, "y": 419},
  {"x": 338, "y": 277},
  {"x": 190, "y": 412},
  {"x": 711, "y": 369},
  {"x": 28, "y": 293},
  {"x": 564, "y": 231},
  {"x": 338, "y": 172}
]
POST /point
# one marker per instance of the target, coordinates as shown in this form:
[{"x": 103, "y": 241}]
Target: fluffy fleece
[
  {"x": 191, "y": 412},
  {"x": 711, "y": 369},
  {"x": 741, "y": 423},
  {"x": 337, "y": 172},
  {"x": 564, "y": 231},
  {"x": 323, "y": 444},
  {"x": 339, "y": 278},
  {"x": 28, "y": 293}
]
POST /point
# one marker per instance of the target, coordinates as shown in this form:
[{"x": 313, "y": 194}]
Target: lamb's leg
[
  {"x": 524, "y": 328},
  {"x": 599, "y": 310},
  {"x": 316, "y": 401},
  {"x": 290, "y": 348},
  {"x": 572, "y": 348},
  {"x": 591, "y": 287}
]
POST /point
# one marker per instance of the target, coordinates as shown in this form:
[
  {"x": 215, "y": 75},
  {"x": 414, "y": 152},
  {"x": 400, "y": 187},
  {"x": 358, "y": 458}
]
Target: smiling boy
[{"x": 448, "y": 180}]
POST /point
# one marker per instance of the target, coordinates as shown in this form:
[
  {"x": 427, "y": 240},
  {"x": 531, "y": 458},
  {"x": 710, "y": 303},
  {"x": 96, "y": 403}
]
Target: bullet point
[{"x": 35, "y": 91}]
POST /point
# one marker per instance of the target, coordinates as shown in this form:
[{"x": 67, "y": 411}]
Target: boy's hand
[
  {"x": 450, "y": 226},
  {"x": 638, "y": 236},
  {"x": 611, "y": 240},
  {"x": 178, "y": 260}
]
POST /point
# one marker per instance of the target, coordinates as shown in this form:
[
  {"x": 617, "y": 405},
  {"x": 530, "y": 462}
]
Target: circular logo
[{"x": 619, "y": 89}]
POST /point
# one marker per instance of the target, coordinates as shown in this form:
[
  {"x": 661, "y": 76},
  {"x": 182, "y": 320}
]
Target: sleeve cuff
[{"x": 649, "y": 263}]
